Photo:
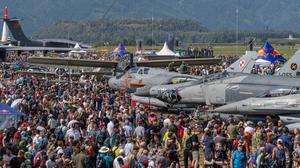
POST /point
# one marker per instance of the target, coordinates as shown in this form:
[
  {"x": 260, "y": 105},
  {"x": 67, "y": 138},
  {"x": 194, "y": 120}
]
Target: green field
[
  {"x": 286, "y": 50},
  {"x": 223, "y": 49}
]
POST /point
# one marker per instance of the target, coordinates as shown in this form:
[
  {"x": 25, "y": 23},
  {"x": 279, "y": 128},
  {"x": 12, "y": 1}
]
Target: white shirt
[
  {"x": 75, "y": 133},
  {"x": 249, "y": 129},
  {"x": 110, "y": 127},
  {"x": 7, "y": 159},
  {"x": 37, "y": 139},
  {"x": 116, "y": 163},
  {"x": 128, "y": 148},
  {"x": 139, "y": 131},
  {"x": 128, "y": 130}
]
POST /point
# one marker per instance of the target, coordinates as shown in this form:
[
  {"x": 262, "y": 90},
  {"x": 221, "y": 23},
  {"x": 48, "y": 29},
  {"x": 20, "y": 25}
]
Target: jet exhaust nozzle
[{"x": 171, "y": 96}]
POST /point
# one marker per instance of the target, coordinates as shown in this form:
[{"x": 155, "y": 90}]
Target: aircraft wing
[
  {"x": 71, "y": 62},
  {"x": 38, "y": 73},
  {"x": 101, "y": 73},
  {"x": 25, "y": 48},
  {"x": 177, "y": 62}
]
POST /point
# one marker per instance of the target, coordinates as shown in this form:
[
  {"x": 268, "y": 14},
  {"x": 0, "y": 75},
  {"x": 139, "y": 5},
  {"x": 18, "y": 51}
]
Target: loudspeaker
[
  {"x": 176, "y": 43},
  {"x": 3, "y": 55}
]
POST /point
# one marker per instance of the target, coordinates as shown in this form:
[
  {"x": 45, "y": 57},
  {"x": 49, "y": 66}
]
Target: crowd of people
[
  {"x": 200, "y": 52},
  {"x": 265, "y": 144},
  {"x": 85, "y": 125},
  {"x": 79, "y": 125}
]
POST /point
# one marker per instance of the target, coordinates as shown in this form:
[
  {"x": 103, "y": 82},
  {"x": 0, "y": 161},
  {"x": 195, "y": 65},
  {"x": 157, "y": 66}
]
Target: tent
[
  {"x": 262, "y": 62},
  {"x": 120, "y": 50},
  {"x": 8, "y": 116},
  {"x": 77, "y": 51},
  {"x": 166, "y": 51},
  {"x": 268, "y": 53}
]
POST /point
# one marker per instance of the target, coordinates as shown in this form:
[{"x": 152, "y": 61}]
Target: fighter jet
[
  {"x": 281, "y": 105},
  {"x": 242, "y": 65},
  {"x": 285, "y": 108},
  {"x": 231, "y": 89},
  {"x": 139, "y": 74}
]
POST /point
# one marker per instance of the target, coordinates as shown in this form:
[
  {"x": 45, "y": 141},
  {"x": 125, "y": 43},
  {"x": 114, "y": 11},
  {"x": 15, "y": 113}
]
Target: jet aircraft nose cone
[{"x": 228, "y": 109}]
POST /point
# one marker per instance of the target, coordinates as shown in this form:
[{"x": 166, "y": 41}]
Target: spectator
[{"x": 239, "y": 158}]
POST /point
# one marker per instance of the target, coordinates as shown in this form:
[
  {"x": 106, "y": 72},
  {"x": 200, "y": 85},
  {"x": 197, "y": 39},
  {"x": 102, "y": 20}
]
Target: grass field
[
  {"x": 222, "y": 49},
  {"x": 286, "y": 50}
]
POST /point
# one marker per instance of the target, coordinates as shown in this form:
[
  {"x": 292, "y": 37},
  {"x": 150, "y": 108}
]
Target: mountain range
[{"x": 213, "y": 14}]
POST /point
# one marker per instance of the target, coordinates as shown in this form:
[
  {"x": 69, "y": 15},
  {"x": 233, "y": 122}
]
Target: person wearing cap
[
  {"x": 239, "y": 158},
  {"x": 120, "y": 160},
  {"x": 279, "y": 154},
  {"x": 52, "y": 122},
  {"x": 104, "y": 160},
  {"x": 249, "y": 131}
]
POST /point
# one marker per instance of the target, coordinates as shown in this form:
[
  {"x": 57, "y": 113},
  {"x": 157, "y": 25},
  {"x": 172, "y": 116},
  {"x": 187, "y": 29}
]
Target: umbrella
[
  {"x": 40, "y": 128},
  {"x": 72, "y": 122},
  {"x": 16, "y": 103},
  {"x": 5, "y": 109}
]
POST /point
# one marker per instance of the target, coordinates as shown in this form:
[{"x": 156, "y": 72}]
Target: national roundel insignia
[
  {"x": 294, "y": 66},
  {"x": 242, "y": 63}
]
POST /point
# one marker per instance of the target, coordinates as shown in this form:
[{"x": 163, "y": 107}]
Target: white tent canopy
[
  {"x": 77, "y": 51},
  {"x": 77, "y": 47},
  {"x": 262, "y": 62},
  {"x": 165, "y": 51}
]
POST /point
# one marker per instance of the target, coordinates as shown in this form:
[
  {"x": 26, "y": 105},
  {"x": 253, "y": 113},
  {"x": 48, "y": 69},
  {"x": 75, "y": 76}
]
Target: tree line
[{"x": 114, "y": 30}]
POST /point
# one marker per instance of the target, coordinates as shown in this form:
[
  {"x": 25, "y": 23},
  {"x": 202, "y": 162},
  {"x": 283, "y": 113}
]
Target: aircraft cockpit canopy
[
  {"x": 134, "y": 70},
  {"x": 182, "y": 79},
  {"x": 142, "y": 71},
  {"x": 280, "y": 92}
]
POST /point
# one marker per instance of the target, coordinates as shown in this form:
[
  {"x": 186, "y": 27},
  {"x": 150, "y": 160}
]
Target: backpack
[
  {"x": 189, "y": 143},
  {"x": 59, "y": 133},
  {"x": 280, "y": 157},
  {"x": 100, "y": 163},
  {"x": 38, "y": 159}
]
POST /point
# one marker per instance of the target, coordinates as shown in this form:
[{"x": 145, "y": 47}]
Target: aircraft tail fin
[
  {"x": 291, "y": 67},
  {"x": 243, "y": 64},
  {"x": 16, "y": 30}
]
